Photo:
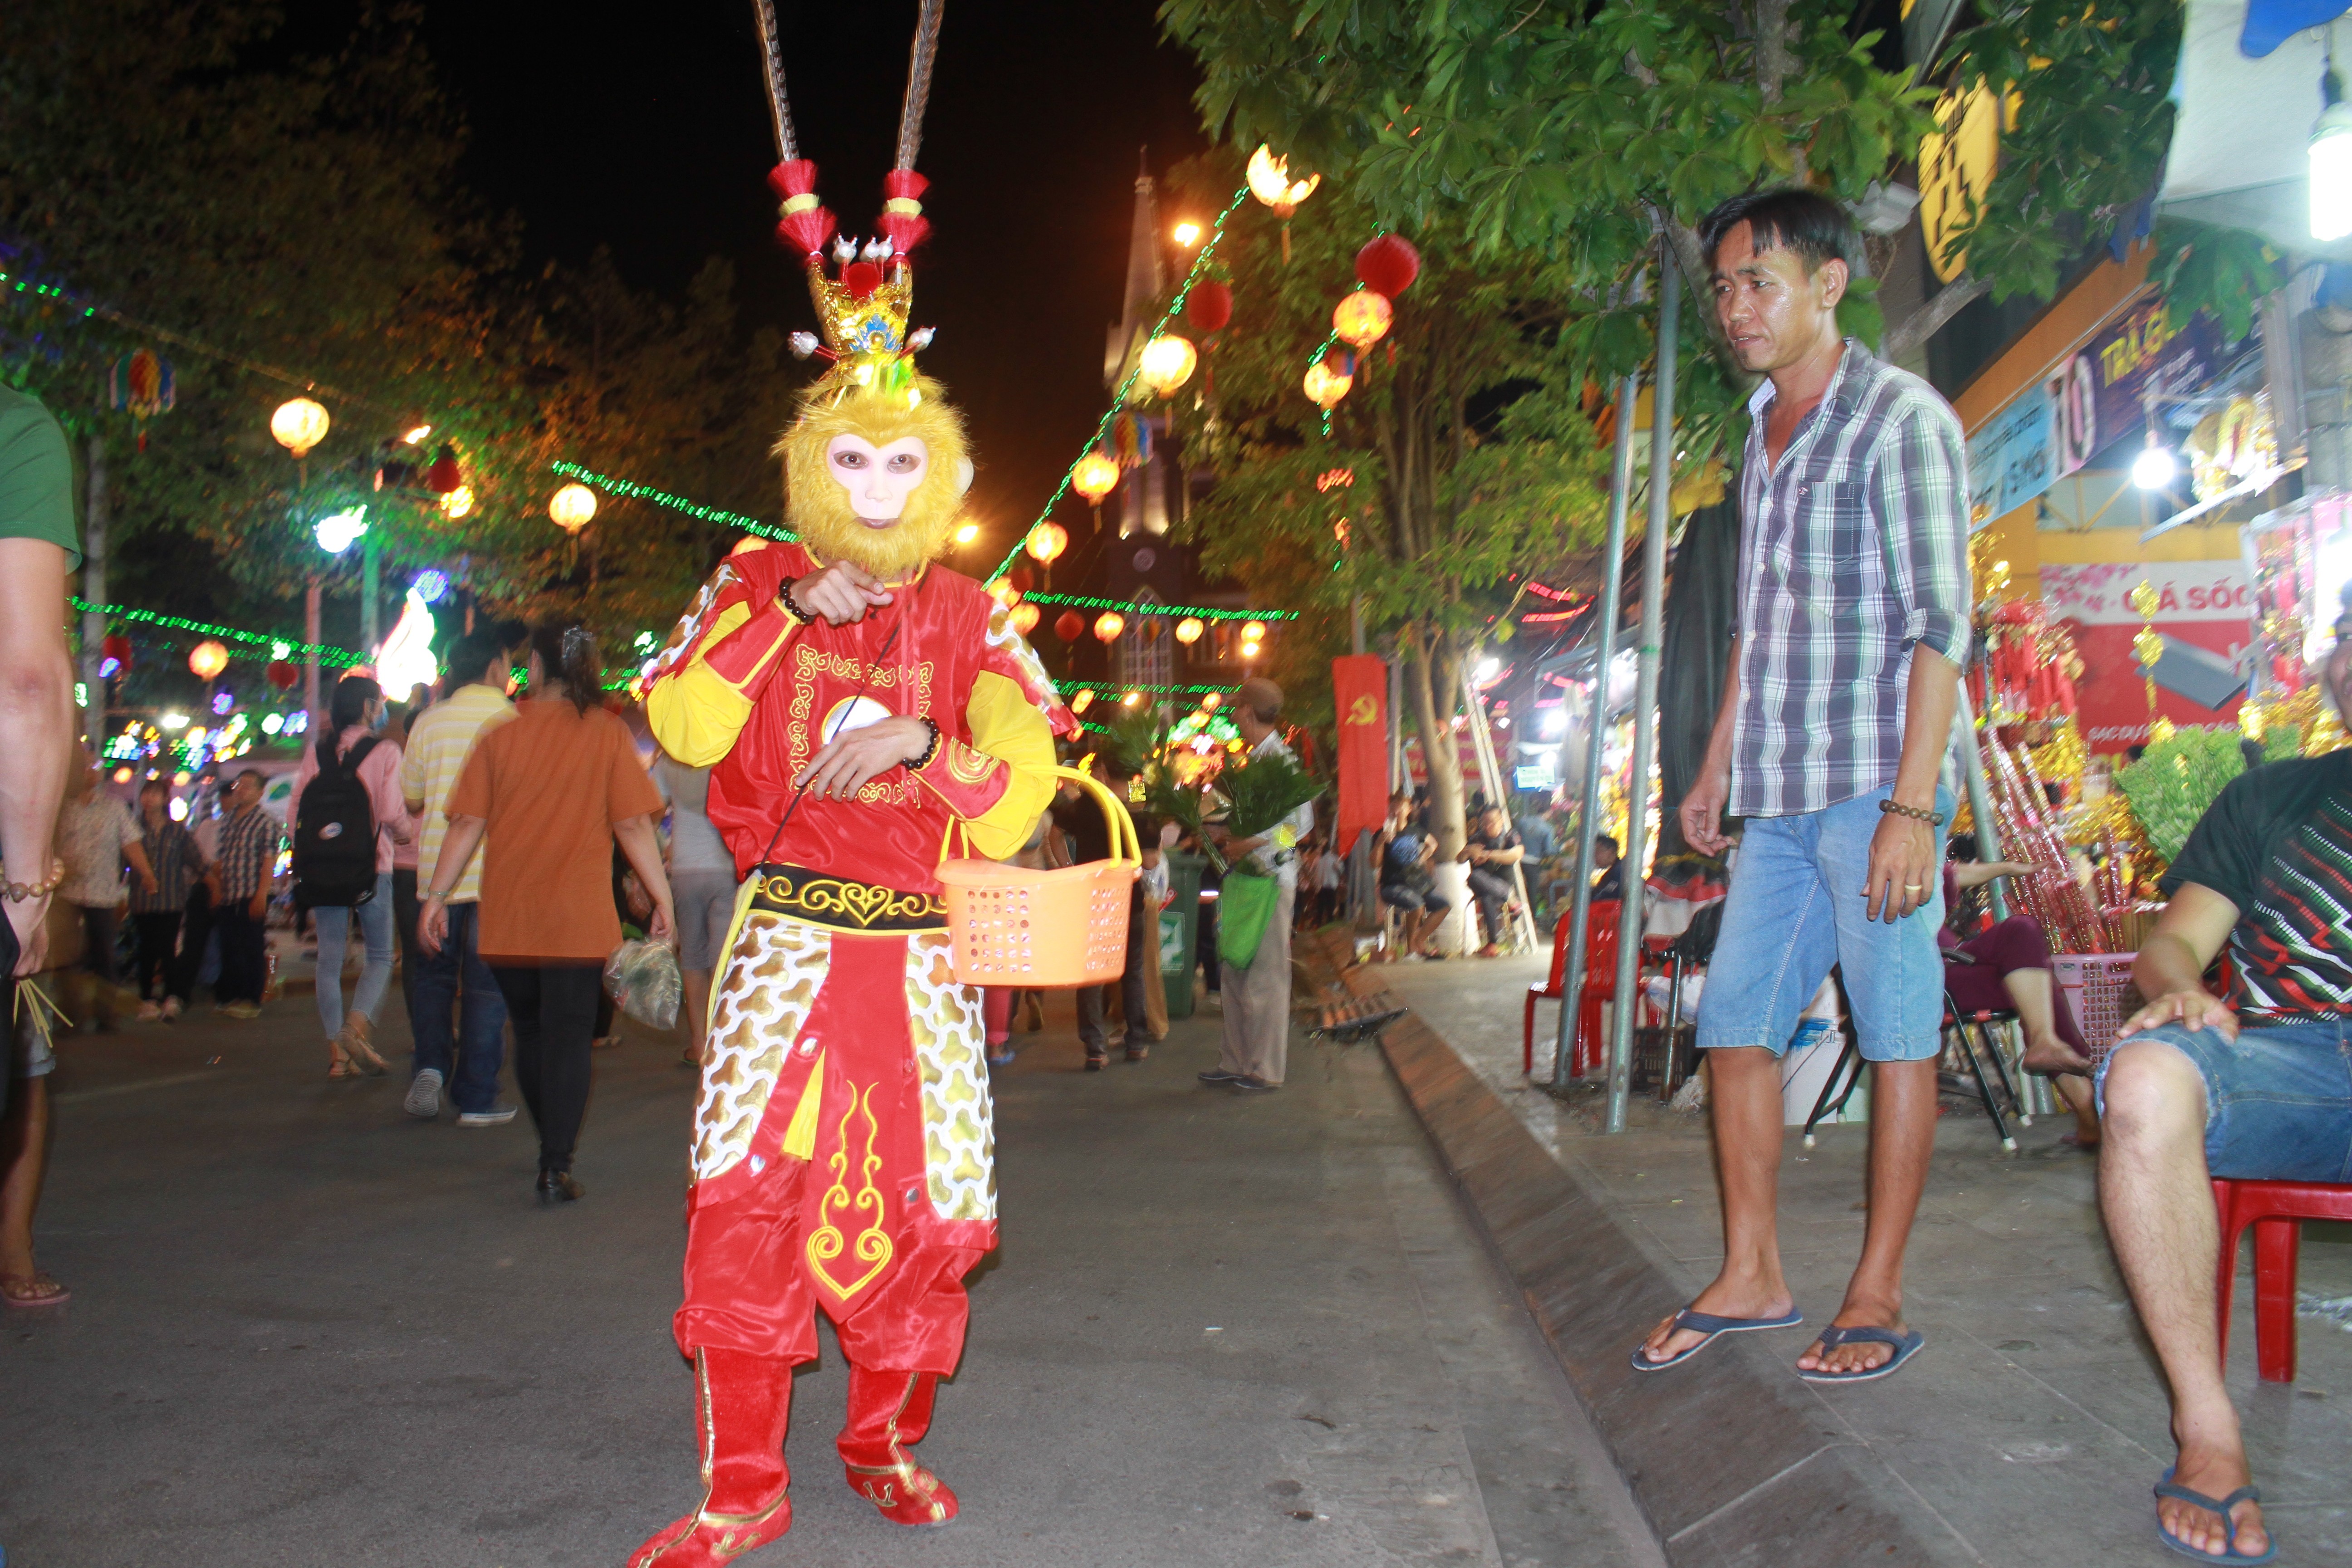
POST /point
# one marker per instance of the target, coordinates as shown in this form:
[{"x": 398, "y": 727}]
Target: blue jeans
[
  {"x": 480, "y": 1041},
  {"x": 1796, "y": 909},
  {"x": 2278, "y": 1102},
  {"x": 334, "y": 934}
]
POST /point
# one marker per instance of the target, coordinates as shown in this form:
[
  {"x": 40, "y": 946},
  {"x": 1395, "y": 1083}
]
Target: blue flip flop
[
  {"x": 1711, "y": 1326},
  {"x": 2219, "y": 1508},
  {"x": 1906, "y": 1345}
]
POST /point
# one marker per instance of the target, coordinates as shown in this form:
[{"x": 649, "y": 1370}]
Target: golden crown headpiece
[{"x": 862, "y": 310}]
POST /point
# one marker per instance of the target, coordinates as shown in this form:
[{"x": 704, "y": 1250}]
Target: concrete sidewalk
[
  {"x": 1220, "y": 1330},
  {"x": 2030, "y": 1429}
]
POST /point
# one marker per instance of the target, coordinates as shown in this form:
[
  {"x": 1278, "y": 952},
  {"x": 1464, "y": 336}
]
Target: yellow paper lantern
[
  {"x": 208, "y": 659},
  {"x": 1094, "y": 477},
  {"x": 1188, "y": 630},
  {"x": 1023, "y": 617},
  {"x": 1130, "y": 699},
  {"x": 1048, "y": 540},
  {"x": 965, "y": 533},
  {"x": 1109, "y": 624},
  {"x": 1083, "y": 700},
  {"x": 1210, "y": 703},
  {"x": 1325, "y": 386},
  {"x": 572, "y": 507},
  {"x": 1168, "y": 363},
  {"x": 298, "y": 425},
  {"x": 1363, "y": 317},
  {"x": 457, "y": 502},
  {"x": 1270, "y": 182}
]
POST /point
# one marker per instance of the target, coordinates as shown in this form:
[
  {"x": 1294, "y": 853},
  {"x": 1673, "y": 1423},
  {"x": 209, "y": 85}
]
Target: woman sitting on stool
[{"x": 2006, "y": 967}]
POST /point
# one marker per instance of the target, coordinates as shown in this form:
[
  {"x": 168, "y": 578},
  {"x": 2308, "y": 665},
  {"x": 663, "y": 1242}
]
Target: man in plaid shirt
[
  {"x": 249, "y": 839},
  {"x": 1852, "y": 626}
]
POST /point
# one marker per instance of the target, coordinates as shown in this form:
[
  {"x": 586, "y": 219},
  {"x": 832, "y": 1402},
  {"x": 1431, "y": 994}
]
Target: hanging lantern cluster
[
  {"x": 140, "y": 385},
  {"x": 1385, "y": 267}
]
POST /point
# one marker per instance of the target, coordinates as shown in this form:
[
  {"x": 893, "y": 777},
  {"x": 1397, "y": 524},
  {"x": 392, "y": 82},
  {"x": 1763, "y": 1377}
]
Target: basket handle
[{"x": 1114, "y": 813}]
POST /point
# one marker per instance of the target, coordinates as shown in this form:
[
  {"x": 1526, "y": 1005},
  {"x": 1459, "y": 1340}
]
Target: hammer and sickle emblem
[{"x": 1364, "y": 710}]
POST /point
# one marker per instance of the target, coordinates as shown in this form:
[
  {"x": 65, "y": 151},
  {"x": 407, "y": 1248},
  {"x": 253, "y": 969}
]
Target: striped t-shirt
[
  {"x": 2277, "y": 842},
  {"x": 438, "y": 744}
]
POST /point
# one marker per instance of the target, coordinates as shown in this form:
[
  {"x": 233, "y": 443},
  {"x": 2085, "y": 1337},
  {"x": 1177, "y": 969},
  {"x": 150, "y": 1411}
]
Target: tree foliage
[
  {"x": 1460, "y": 460},
  {"x": 268, "y": 211}
]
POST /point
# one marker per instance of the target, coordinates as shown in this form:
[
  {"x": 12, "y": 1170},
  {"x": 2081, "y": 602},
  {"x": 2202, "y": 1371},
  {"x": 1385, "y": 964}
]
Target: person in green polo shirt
[{"x": 37, "y": 549}]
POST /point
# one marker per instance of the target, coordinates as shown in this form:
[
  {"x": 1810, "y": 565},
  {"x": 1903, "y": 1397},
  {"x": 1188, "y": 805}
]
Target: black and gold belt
[{"x": 843, "y": 904}]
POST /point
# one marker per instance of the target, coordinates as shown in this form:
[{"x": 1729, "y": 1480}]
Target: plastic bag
[{"x": 644, "y": 983}]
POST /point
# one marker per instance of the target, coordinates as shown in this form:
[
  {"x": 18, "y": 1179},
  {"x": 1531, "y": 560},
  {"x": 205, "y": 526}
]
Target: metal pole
[
  {"x": 1972, "y": 773},
  {"x": 371, "y": 590},
  {"x": 1356, "y": 623},
  {"x": 1645, "y": 691},
  {"x": 310, "y": 659},
  {"x": 93, "y": 588},
  {"x": 1611, "y": 591}
]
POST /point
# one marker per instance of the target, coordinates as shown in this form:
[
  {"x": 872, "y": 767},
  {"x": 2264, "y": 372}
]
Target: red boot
[
  {"x": 743, "y": 1405},
  {"x": 889, "y": 1414}
]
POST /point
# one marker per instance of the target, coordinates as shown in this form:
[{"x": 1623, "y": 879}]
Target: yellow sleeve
[
  {"x": 1001, "y": 782},
  {"x": 698, "y": 707}
]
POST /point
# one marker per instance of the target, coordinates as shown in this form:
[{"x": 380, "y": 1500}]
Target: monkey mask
[{"x": 874, "y": 468}]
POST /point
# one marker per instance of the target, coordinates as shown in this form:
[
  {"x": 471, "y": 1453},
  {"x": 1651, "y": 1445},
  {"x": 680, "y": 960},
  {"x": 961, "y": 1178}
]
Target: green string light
[
  {"x": 1118, "y": 401},
  {"x": 1131, "y": 606},
  {"x": 1100, "y": 687},
  {"x": 675, "y": 503},
  {"x": 261, "y": 643}
]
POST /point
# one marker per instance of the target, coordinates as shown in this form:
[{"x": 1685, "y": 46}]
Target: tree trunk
[
  {"x": 1924, "y": 322},
  {"x": 93, "y": 590},
  {"x": 1431, "y": 668}
]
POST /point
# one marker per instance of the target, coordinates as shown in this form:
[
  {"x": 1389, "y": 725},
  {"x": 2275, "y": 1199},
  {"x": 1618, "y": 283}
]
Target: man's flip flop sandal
[
  {"x": 1711, "y": 1326},
  {"x": 1905, "y": 1346},
  {"x": 2219, "y": 1508}
]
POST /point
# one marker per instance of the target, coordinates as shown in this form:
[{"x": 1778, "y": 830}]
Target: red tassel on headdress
[
  {"x": 902, "y": 210},
  {"x": 805, "y": 226}
]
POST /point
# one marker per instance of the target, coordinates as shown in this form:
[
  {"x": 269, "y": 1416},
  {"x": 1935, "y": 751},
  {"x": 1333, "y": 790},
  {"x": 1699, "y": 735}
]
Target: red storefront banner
[
  {"x": 2204, "y": 615},
  {"x": 1360, "y": 694}
]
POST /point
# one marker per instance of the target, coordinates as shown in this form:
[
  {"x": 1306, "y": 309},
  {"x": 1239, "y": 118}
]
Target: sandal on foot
[
  {"x": 1712, "y": 1327},
  {"x": 1906, "y": 1345},
  {"x": 34, "y": 1290},
  {"x": 2219, "y": 1508}
]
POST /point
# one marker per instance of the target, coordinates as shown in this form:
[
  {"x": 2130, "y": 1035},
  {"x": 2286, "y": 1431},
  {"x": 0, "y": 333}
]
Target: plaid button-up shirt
[
  {"x": 1853, "y": 549},
  {"x": 249, "y": 853}
]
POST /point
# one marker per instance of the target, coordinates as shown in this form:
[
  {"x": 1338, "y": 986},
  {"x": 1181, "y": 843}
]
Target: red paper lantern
[
  {"x": 1020, "y": 579},
  {"x": 444, "y": 475},
  {"x": 1210, "y": 307},
  {"x": 1388, "y": 265},
  {"x": 283, "y": 674},
  {"x": 114, "y": 650},
  {"x": 1070, "y": 626}
]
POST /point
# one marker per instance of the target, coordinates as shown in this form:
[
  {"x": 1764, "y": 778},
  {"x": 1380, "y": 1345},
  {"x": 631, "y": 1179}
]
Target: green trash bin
[{"x": 1180, "y": 930}]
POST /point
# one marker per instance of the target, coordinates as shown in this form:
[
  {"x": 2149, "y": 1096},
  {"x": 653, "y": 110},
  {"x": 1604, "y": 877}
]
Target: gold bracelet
[{"x": 17, "y": 892}]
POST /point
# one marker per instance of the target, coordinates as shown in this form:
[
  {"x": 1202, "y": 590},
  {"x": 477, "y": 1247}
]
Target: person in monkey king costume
[{"x": 861, "y": 705}]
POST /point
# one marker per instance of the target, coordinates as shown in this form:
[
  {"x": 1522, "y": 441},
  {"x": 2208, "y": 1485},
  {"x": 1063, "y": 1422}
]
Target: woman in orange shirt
[{"x": 552, "y": 790}]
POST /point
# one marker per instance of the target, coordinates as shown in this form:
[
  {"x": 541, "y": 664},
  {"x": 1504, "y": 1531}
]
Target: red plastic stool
[
  {"x": 1600, "y": 981},
  {"x": 2276, "y": 1210}
]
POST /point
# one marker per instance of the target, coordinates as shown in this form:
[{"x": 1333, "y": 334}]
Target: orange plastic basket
[{"x": 1014, "y": 925}]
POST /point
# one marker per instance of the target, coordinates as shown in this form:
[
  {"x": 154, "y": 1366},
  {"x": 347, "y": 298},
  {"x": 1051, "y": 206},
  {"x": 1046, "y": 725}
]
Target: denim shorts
[
  {"x": 2278, "y": 1101},
  {"x": 1796, "y": 909}
]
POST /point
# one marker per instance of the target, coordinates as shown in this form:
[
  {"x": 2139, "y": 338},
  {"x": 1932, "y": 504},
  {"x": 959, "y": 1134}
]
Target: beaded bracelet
[
  {"x": 791, "y": 605},
  {"x": 1917, "y": 814},
  {"x": 17, "y": 892},
  {"x": 919, "y": 763}
]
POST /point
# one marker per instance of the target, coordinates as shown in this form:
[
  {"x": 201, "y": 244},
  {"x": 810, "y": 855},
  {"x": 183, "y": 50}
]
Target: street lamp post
[{"x": 299, "y": 425}]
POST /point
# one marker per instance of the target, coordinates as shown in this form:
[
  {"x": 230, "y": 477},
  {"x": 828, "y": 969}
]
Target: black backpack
[{"x": 334, "y": 834}]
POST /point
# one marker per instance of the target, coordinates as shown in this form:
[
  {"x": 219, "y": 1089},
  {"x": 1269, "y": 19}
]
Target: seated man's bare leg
[
  {"x": 2154, "y": 1191},
  {"x": 1901, "y": 1140},
  {"x": 1744, "y": 1099}
]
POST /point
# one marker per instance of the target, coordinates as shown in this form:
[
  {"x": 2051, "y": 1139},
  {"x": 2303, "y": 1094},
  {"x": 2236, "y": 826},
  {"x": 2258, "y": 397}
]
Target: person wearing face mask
[
  {"x": 864, "y": 712},
  {"x": 354, "y": 745}
]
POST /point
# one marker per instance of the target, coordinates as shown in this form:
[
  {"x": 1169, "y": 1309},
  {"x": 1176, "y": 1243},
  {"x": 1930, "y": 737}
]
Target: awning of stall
[{"x": 2247, "y": 93}]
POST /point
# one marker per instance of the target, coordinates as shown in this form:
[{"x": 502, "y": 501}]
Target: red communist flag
[{"x": 1360, "y": 691}]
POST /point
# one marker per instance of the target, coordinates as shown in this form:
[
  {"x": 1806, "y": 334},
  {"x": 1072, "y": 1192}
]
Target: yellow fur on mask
[{"x": 818, "y": 507}]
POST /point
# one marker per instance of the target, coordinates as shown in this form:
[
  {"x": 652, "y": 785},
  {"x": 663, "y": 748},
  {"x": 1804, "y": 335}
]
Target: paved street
[{"x": 309, "y": 1330}]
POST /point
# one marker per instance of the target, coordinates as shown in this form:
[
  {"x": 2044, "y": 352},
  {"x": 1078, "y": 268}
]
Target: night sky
[{"x": 644, "y": 129}]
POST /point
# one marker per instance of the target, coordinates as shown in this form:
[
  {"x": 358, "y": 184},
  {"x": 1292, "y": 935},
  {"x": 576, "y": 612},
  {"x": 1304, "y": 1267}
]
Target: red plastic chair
[
  {"x": 1599, "y": 981},
  {"x": 2276, "y": 1210}
]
